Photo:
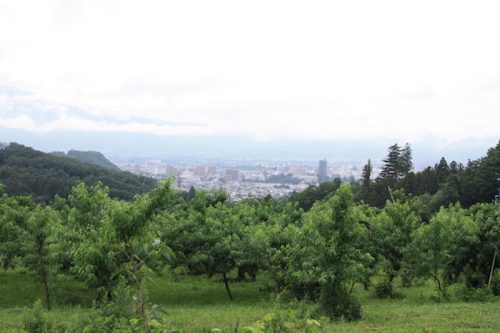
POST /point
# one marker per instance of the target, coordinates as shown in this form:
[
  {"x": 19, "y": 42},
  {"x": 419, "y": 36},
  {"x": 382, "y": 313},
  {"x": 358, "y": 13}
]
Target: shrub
[
  {"x": 338, "y": 303},
  {"x": 383, "y": 289},
  {"x": 34, "y": 320},
  {"x": 461, "y": 292}
]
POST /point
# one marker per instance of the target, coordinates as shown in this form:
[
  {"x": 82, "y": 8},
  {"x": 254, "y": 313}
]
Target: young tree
[
  {"x": 102, "y": 234},
  {"x": 438, "y": 244},
  {"x": 38, "y": 256},
  {"x": 391, "y": 234},
  {"x": 326, "y": 252},
  {"x": 14, "y": 212}
]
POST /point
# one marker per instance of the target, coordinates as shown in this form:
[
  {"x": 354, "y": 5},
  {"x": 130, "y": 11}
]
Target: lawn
[{"x": 193, "y": 304}]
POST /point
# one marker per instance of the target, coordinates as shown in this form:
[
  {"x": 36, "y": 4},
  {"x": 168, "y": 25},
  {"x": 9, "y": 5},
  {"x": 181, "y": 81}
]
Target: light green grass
[{"x": 193, "y": 303}]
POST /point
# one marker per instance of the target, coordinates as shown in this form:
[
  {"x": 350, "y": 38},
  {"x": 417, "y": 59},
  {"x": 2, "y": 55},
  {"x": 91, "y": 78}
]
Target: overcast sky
[{"x": 264, "y": 70}]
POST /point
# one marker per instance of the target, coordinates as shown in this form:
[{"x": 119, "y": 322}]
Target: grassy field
[{"x": 193, "y": 304}]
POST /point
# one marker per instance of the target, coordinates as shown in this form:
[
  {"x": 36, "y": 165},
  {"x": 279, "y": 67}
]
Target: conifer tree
[
  {"x": 391, "y": 169},
  {"x": 367, "y": 172}
]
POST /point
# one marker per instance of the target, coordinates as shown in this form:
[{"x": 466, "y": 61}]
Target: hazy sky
[{"x": 265, "y": 70}]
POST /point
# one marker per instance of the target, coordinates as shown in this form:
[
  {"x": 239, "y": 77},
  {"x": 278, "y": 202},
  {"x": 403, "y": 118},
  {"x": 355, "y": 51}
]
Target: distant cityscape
[{"x": 245, "y": 179}]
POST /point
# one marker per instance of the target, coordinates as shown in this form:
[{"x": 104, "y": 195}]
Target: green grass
[{"x": 193, "y": 303}]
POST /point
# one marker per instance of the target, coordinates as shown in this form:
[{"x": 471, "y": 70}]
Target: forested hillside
[
  {"x": 25, "y": 171},
  {"x": 89, "y": 157}
]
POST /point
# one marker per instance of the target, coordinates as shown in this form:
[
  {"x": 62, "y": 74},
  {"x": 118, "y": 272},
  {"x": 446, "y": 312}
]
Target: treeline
[
  {"x": 435, "y": 186},
  {"x": 25, "y": 171}
]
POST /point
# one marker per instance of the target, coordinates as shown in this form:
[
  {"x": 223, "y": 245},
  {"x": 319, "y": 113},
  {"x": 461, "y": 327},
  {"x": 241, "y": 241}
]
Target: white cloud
[{"x": 263, "y": 69}]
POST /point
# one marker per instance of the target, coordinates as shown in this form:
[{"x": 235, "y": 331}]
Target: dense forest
[
  {"x": 436, "y": 225},
  {"x": 25, "y": 171}
]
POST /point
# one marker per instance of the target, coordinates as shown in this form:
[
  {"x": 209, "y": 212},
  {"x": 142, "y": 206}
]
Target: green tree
[
  {"x": 398, "y": 163},
  {"x": 366, "y": 178},
  {"x": 392, "y": 163},
  {"x": 406, "y": 163},
  {"x": 101, "y": 235},
  {"x": 437, "y": 245},
  {"x": 391, "y": 232},
  {"x": 38, "y": 256},
  {"x": 325, "y": 252},
  {"x": 14, "y": 212}
]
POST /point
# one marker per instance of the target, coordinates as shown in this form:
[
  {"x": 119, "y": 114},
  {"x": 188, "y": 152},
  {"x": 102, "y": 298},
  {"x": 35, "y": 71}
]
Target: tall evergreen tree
[
  {"x": 367, "y": 172},
  {"x": 442, "y": 170},
  {"x": 392, "y": 164},
  {"x": 399, "y": 162},
  {"x": 406, "y": 162}
]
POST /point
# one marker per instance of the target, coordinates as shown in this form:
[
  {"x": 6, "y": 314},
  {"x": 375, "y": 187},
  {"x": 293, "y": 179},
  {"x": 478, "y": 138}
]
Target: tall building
[
  {"x": 211, "y": 170},
  {"x": 199, "y": 171},
  {"x": 322, "y": 171},
  {"x": 231, "y": 175}
]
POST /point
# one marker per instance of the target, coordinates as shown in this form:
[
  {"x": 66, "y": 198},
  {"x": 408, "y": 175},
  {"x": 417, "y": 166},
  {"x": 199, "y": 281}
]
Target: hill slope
[
  {"x": 90, "y": 157},
  {"x": 25, "y": 171}
]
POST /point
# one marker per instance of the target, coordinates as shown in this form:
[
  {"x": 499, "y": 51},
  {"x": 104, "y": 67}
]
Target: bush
[
  {"x": 461, "y": 292},
  {"x": 383, "y": 289},
  {"x": 283, "y": 322},
  {"x": 495, "y": 284},
  {"x": 34, "y": 320},
  {"x": 338, "y": 303}
]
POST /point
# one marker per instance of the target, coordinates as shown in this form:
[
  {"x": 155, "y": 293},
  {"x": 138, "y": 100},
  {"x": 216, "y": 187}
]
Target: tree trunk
[
  {"x": 227, "y": 286},
  {"x": 142, "y": 308},
  {"x": 492, "y": 267},
  {"x": 46, "y": 289},
  {"x": 438, "y": 282}
]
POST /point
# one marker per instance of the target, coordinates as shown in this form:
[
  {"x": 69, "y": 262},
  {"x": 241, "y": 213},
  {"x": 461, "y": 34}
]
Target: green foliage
[
  {"x": 92, "y": 157},
  {"x": 102, "y": 235},
  {"x": 37, "y": 238},
  {"x": 14, "y": 212},
  {"x": 315, "y": 193},
  {"x": 325, "y": 253},
  {"x": 390, "y": 235},
  {"x": 436, "y": 245},
  {"x": 284, "y": 322},
  {"x": 34, "y": 320},
  {"x": 25, "y": 171},
  {"x": 398, "y": 162}
]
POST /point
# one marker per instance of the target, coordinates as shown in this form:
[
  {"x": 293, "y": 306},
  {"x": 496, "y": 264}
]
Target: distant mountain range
[
  {"x": 89, "y": 157},
  {"x": 26, "y": 171},
  {"x": 124, "y": 146}
]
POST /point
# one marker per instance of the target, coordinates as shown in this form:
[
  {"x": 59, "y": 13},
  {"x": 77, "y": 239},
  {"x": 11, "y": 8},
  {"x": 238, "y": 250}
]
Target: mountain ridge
[{"x": 26, "y": 171}]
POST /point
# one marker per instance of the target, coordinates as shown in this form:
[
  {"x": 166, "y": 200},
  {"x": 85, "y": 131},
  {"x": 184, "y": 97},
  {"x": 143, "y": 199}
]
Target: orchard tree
[
  {"x": 14, "y": 212},
  {"x": 326, "y": 252},
  {"x": 391, "y": 232},
  {"x": 436, "y": 245},
  {"x": 37, "y": 240},
  {"x": 102, "y": 235}
]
